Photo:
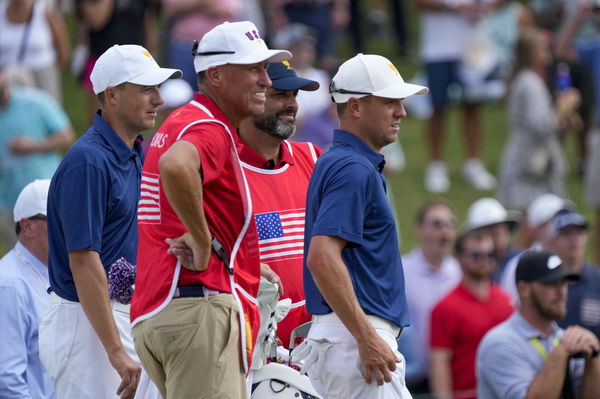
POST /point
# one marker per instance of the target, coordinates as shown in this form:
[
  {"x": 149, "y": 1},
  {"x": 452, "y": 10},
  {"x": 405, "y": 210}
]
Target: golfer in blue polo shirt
[
  {"x": 353, "y": 277},
  {"x": 85, "y": 338}
]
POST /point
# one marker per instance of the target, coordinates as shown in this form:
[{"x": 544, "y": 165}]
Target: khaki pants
[{"x": 191, "y": 348}]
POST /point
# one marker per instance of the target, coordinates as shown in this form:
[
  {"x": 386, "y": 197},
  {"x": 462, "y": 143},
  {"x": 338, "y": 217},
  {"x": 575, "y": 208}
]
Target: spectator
[
  {"x": 429, "y": 268},
  {"x": 487, "y": 214},
  {"x": 592, "y": 188},
  {"x": 568, "y": 241},
  {"x": 190, "y": 20},
  {"x": 447, "y": 28},
  {"x": 34, "y": 37},
  {"x": 540, "y": 216},
  {"x": 23, "y": 298},
  {"x": 278, "y": 172},
  {"x": 461, "y": 319},
  {"x": 195, "y": 194},
  {"x": 529, "y": 355},
  {"x": 93, "y": 236},
  {"x": 353, "y": 278},
  {"x": 533, "y": 161},
  {"x": 300, "y": 40},
  {"x": 104, "y": 23},
  {"x": 33, "y": 131},
  {"x": 325, "y": 17}
]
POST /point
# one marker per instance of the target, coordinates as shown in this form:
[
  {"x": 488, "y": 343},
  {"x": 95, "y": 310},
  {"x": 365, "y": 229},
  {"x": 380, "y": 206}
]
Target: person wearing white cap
[
  {"x": 353, "y": 277},
  {"x": 23, "y": 298},
  {"x": 194, "y": 193},
  {"x": 85, "y": 338},
  {"x": 489, "y": 215}
]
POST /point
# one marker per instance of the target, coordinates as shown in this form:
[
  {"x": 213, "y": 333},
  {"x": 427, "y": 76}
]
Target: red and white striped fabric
[
  {"x": 280, "y": 234},
  {"x": 149, "y": 204}
]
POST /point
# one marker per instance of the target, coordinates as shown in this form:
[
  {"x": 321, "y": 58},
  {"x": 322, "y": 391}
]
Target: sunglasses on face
[
  {"x": 479, "y": 256},
  {"x": 440, "y": 223}
]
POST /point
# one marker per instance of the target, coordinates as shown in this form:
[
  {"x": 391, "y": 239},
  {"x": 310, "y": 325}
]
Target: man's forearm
[
  {"x": 441, "y": 374},
  {"x": 92, "y": 290},
  {"x": 332, "y": 278},
  {"x": 180, "y": 176},
  {"x": 590, "y": 388},
  {"x": 549, "y": 381}
]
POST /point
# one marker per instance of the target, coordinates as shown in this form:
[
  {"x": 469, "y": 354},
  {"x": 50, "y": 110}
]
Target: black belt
[{"x": 194, "y": 291}]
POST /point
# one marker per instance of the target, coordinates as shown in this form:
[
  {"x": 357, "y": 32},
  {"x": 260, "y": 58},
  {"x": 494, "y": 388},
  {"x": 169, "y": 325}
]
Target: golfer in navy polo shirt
[
  {"x": 353, "y": 277},
  {"x": 85, "y": 338}
]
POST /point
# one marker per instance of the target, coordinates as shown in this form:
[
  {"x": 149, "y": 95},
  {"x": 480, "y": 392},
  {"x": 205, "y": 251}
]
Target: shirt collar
[
  {"x": 122, "y": 150},
  {"x": 35, "y": 261},
  {"x": 252, "y": 158},
  {"x": 527, "y": 330},
  {"x": 344, "y": 138}
]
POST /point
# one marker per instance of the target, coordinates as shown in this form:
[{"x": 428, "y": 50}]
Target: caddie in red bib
[{"x": 195, "y": 324}]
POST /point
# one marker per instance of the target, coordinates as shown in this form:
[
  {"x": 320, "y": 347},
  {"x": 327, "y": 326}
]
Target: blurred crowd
[{"x": 540, "y": 58}]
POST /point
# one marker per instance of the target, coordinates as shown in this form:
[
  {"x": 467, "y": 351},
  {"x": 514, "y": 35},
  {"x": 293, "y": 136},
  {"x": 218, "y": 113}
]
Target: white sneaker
[
  {"x": 436, "y": 177},
  {"x": 477, "y": 175}
]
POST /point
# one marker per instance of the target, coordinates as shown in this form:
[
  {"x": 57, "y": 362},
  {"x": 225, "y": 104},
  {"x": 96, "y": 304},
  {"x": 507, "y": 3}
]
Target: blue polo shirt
[
  {"x": 347, "y": 198},
  {"x": 92, "y": 203},
  {"x": 583, "y": 302}
]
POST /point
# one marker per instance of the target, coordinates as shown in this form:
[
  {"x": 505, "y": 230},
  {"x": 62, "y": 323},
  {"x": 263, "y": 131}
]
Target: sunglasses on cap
[{"x": 333, "y": 89}]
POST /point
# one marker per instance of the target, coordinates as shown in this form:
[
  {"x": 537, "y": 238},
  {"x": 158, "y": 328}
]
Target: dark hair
[
  {"x": 18, "y": 228},
  {"x": 102, "y": 97},
  {"x": 426, "y": 207}
]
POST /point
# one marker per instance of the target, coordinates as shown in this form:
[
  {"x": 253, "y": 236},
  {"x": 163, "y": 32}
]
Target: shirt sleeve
[
  {"x": 13, "y": 336},
  {"x": 53, "y": 115},
  {"x": 214, "y": 148},
  {"x": 83, "y": 207},
  {"x": 344, "y": 199},
  {"x": 443, "y": 327},
  {"x": 504, "y": 368}
]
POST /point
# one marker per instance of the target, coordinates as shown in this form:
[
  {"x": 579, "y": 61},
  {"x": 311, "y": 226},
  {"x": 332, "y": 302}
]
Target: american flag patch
[
  {"x": 149, "y": 204},
  {"x": 280, "y": 234}
]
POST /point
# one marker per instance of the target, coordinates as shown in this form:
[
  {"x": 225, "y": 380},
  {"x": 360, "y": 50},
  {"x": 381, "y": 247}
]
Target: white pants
[
  {"x": 75, "y": 358},
  {"x": 336, "y": 369}
]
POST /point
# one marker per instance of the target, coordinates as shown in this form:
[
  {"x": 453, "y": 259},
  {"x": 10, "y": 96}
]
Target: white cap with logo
[
  {"x": 234, "y": 43},
  {"x": 129, "y": 63},
  {"x": 369, "y": 74},
  {"x": 32, "y": 200}
]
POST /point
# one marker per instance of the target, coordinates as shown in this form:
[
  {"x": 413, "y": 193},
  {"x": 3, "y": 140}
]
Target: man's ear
[
  {"x": 353, "y": 107},
  {"x": 215, "y": 76}
]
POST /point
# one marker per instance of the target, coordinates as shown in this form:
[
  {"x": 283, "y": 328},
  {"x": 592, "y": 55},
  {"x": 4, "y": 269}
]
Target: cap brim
[
  {"x": 264, "y": 55},
  {"x": 295, "y": 83},
  {"x": 402, "y": 90},
  {"x": 398, "y": 91},
  {"x": 156, "y": 77},
  {"x": 558, "y": 274}
]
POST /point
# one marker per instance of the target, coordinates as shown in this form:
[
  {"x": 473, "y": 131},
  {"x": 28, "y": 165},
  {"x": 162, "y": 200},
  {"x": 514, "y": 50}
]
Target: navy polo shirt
[
  {"x": 92, "y": 203},
  {"x": 347, "y": 198}
]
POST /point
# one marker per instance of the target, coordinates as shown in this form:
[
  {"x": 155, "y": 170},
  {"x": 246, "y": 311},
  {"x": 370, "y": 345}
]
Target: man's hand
[
  {"x": 22, "y": 145},
  {"x": 378, "y": 359},
  {"x": 129, "y": 371},
  {"x": 190, "y": 255},
  {"x": 269, "y": 274},
  {"x": 579, "y": 340}
]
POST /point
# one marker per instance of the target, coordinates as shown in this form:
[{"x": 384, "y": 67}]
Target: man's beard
[
  {"x": 547, "y": 311},
  {"x": 272, "y": 125}
]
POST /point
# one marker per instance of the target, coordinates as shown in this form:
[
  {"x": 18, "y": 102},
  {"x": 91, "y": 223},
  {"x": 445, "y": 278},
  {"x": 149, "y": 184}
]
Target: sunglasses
[
  {"x": 333, "y": 89},
  {"x": 440, "y": 223},
  {"x": 479, "y": 256}
]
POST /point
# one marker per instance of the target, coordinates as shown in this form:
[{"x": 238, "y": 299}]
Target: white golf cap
[
  {"x": 32, "y": 200},
  {"x": 128, "y": 63},
  {"x": 545, "y": 207},
  {"x": 234, "y": 43},
  {"x": 176, "y": 93},
  {"x": 488, "y": 212},
  {"x": 368, "y": 74}
]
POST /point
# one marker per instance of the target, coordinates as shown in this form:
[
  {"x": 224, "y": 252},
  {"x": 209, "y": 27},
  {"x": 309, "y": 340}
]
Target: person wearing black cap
[
  {"x": 278, "y": 172},
  {"x": 529, "y": 355},
  {"x": 568, "y": 239}
]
